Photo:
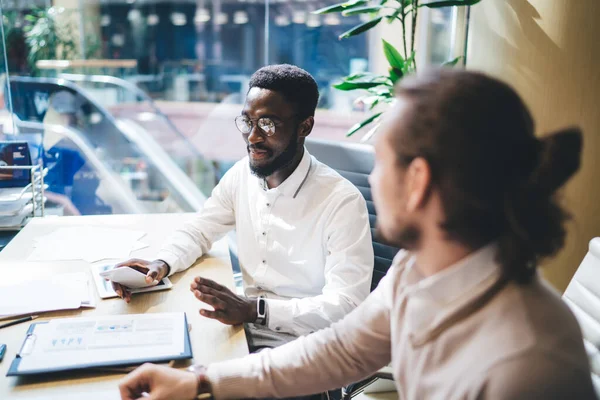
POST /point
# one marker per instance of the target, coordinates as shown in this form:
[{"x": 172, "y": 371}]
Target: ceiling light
[
  {"x": 134, "y": 15},
  {"x": 282, "y": 20},
  {"x": 202, "y": 16},
  {"x": 221, "y": 18},
  {"x": 240, "y": 17},
  {"x": 299, "y": 17},
  {"x": 153, "y": 19},
  {"x": 178, "y": 19},
  {"x": 105, "y": 20},
  {"x": 130, "y": 1},
  {"x": 313, "y": 21}
]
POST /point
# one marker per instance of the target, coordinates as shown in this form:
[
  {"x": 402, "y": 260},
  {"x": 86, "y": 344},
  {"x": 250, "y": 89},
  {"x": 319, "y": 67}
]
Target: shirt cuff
[
  {"x": 171, "y": 259},
  {"x": 280, "y": 316}
]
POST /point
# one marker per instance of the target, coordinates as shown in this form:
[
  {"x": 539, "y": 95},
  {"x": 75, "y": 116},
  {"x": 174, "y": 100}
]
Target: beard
[
  {"x": 281, "y": 161},
  {"x": 405, "y": 237}
]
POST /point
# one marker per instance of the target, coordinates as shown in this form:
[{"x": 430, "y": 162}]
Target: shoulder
[
  {"x": 539, "y": 350},
  {"x": 329, "y": 182},
  {"x": 537, "y": 373},
  {"x": 238, "y": 170}
]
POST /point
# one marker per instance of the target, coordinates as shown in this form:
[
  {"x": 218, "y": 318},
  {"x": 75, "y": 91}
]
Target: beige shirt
[{"x": 460, "y": 334}]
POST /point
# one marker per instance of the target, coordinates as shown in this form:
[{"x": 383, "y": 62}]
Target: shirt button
[
  {"x": 268, "y": 204},
  {"x": 264, "y": 233},
  {"x": 259, "y": 287},
  {"x": 264, "y": 261},
  {"x": 277, "y": 328}
]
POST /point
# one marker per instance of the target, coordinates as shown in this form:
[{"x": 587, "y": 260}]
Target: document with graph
[{"x": 108, "y": 341}]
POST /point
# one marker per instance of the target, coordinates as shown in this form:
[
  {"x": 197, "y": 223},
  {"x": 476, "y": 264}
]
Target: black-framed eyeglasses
[{"x": 265, "y": 124}]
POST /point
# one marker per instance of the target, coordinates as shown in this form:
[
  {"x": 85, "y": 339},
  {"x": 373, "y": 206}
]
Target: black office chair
[{"x": 355, "y": 162}]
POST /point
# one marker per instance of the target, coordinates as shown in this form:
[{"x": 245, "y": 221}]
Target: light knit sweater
[{"x": 463, "y": 333}]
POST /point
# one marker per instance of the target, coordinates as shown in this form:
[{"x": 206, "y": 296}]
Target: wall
[{"x": 549, "y": 51}]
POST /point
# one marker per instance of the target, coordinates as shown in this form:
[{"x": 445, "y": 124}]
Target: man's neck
[
  {"x": 436, "y": 254},
  {"x": 279, "y": 176}
]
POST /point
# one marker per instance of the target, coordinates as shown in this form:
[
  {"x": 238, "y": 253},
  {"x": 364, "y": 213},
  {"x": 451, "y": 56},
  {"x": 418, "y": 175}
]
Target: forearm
[
  {"x": 350, "y": 350},
  {"x": 304, "y": 316},
  {"x": 182, "y": 249}
]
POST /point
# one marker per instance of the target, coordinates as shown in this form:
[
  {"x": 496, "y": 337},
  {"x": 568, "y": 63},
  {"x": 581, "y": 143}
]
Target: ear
[
  {"x": 418, "y": 183},
  {"x": 305, "y": 127}
]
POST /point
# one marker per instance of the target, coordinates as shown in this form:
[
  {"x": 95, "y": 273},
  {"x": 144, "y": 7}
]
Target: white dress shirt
[
  {"x": 305, "y": 245},
  {"x": 464, "y": 333}
]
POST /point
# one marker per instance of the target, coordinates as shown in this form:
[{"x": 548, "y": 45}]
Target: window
[{"x": 130, "y": 103}]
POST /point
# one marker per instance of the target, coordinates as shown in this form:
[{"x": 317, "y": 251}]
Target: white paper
[
  {"x": 71, "y": 342},
  {"x": 61, "y": 292},
  {"x": 37, "y": 296},
  {"x": 86, "y": 243}
]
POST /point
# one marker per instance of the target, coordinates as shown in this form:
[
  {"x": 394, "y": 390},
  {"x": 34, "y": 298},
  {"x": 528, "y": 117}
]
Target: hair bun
[{"x": 559, "y": 158}]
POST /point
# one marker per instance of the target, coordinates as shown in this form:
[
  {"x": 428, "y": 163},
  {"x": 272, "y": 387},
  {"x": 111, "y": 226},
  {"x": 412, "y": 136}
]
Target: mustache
[{"x": 259, "y": 146}]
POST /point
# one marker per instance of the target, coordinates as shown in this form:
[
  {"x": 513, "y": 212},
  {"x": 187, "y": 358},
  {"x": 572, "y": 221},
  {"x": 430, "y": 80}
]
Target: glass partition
[{"x": 153, "y": 86}]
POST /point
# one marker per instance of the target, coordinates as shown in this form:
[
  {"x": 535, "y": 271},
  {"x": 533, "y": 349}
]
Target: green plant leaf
[
  {"x": 356, "y": 127},
  {"x": 361, "y": 28},
  {"x": 371, "y": 133},
  {"x": 449, "y": 3},
  {"x": 452, "y": 63},
  {"x": 345, "y": 85},
  {"x": 395, "y": 74},
  {"x": 361, "y": 10},
  {"x": 393, "y": 56},
  {"x": 341, "y": 7},
  {"x": 359, "y": 75}
]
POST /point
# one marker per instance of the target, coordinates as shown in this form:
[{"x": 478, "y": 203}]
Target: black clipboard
[{"x": 14, "y": 367}]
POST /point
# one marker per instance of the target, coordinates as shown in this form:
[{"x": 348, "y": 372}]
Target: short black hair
[{"x": 295, "y": 84}]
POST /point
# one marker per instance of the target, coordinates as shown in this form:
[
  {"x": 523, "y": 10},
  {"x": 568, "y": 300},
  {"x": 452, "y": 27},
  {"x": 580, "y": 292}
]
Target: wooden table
[{"x": 211, "y": 340}]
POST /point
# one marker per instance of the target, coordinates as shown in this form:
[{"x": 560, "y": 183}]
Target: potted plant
[{"x": 380, "y": 88}]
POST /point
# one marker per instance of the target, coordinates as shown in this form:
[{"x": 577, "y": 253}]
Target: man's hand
[
  {"x": 230, "y": 308},
  {"x": 161, "y": 383},
  {"x": 155, "y": 271}
]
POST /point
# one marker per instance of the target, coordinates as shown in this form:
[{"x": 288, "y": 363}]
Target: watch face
[{"x": 261, "y": 308}]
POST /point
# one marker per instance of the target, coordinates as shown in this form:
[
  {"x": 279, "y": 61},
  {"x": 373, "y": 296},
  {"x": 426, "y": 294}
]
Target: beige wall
[{"x": 549, "y": 50}]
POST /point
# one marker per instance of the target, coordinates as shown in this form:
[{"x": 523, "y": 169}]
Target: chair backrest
[
  {"x": 583, "y": 297},
  {"x": 354, "y": 162}
]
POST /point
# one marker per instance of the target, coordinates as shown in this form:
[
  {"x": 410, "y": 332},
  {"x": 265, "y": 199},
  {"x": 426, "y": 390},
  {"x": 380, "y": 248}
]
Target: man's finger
[
  {"x": 118, "y": 289},
  {"x": 132, "y": 386},
  {"x": 210, "y": 300},
  {"x": 126, "y": 294},
  {"x": 151, "y": 276},
  {"x": 208, "y": 290},
  {"x": 208, "y": 282},
  {"x": 217, "y": 314}
]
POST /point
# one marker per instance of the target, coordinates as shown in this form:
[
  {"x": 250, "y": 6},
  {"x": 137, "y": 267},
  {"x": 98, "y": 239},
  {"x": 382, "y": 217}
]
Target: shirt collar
[
  {"x": 294, "y": 183},
  {"x": 431, "y": 301}
]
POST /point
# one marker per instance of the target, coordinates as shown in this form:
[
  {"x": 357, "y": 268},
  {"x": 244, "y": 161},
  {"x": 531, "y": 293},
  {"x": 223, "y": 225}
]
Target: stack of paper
[
  {"x": 86, "y": 243},
  {"x": 61, "y": 292}
]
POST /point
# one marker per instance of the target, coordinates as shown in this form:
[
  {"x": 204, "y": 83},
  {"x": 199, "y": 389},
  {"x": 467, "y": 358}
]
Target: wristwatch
[
  {"x": 261, "y": 311},
  {"x": 204, "y": 390}
]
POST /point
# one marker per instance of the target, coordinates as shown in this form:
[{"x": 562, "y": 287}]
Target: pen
[
  {"x": 18, "y": 321},
  {"x": 2, "y": 351}
]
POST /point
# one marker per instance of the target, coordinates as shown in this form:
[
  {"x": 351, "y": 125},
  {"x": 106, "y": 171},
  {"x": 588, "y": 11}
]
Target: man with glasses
[{"x": 304, "y": 241}]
